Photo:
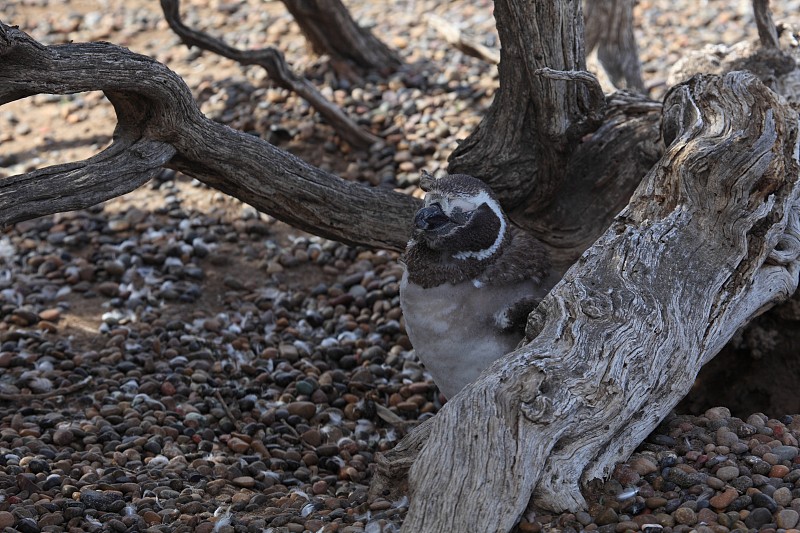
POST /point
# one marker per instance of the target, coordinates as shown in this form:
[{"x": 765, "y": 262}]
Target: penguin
[{"x": 470, "y": 279}]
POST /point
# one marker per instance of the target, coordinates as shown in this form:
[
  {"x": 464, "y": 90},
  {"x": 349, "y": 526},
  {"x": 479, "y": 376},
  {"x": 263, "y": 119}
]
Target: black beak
[{"x": 430, "y": 217}]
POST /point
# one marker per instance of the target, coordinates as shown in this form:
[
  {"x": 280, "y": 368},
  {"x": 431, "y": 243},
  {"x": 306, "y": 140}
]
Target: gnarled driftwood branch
[{"x": 160, "y": 124}]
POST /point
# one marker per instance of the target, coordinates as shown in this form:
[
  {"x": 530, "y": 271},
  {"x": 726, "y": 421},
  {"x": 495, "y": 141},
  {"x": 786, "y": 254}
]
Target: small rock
[
  {"x": 778, "y": 471},
  {"x": 787, "y": 518},
  {"x": 643, "y": 465},
  {"x": 606, "y": 516},
  {"x": 108, "y": 500},
  {"x": 727, "y": 473},
  {"x": 63, "y": 437},
  {"x": 782, "y": 496},
  {"x": 684, "y": 515},
  {"x": 723, "y": 500},
  {"x": 28, "y": 525},
  {"x": 108, "y": 288},
  {"x": 726, "y": 437},
  {"x": 244, "y": 481},
  {"x": 50, "y": 315},
  {"x": 762, "y": 500},
  {"x": 302, "y": 409},
  {"x": 237, "y": 445},
  {"x": 718, "y": 413},
  {"x": 758, "y": 518},
  {"x": 786, "y": 453},
  {"x": 6, "y": 519}
]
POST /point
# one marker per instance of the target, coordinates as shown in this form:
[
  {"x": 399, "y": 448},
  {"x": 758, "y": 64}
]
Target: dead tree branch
[
  {"x": 159, "y": 124},
  {"x": 329, "y": 28},
  {"x": 697, "y": 253},
  {"x": 274, "y": 63},
  {"x": 63, "y": 391}
]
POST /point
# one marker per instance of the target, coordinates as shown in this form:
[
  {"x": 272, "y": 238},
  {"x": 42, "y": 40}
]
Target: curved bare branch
[
  {"x": 274, "y": 63},
  {"x": 157, "y": 116}
]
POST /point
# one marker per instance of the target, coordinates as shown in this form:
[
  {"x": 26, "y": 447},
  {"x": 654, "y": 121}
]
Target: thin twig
[
  {"x": 49, "y": 394},
  {"x": 227, "y": 409}
]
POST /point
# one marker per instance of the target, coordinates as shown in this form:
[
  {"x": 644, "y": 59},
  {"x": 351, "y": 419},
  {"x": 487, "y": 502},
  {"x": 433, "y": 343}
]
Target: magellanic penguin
[{"x": 470, "y": 280}]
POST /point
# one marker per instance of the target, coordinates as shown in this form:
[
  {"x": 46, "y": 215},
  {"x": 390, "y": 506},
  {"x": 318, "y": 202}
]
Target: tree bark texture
[
  {"x": 159, "y": 124},
  {"x": 274, "y": 63},
  {"x": 329, "y": 28},
  {"x": 523, "y": 144},
  {"x": 709, "y": 240},
  {"x": 609, "y": 29}
]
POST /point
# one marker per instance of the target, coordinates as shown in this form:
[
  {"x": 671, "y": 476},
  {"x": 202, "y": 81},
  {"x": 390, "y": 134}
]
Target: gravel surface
[{"x": 175, "y": 361}]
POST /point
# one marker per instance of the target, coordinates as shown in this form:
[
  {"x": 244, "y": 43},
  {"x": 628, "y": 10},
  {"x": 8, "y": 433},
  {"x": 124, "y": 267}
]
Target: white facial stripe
[{"x": 484, "y": 198}]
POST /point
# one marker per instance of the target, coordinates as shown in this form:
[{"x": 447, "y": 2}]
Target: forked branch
[{"x": 159, "y": 124}]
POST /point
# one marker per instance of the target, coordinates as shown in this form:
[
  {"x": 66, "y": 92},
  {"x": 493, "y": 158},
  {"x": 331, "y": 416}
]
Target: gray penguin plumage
[{"x": 470, "y": 280}]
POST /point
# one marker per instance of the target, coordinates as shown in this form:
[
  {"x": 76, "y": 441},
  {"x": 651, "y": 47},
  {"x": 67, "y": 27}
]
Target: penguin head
[{"x": 461, "y": 218}]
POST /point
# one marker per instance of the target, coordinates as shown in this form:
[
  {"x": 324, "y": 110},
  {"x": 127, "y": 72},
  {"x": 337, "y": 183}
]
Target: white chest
[{"x": 453, "y": 328}]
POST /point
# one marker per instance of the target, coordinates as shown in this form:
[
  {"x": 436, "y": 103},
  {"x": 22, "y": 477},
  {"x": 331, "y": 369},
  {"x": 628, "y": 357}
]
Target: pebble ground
[{"x": 175, "y": 361}]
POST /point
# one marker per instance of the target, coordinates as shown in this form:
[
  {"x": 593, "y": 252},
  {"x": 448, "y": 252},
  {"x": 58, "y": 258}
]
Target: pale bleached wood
[
  {"x": 454, "y": 35},
  {"x": 707, "y": 241},
  {"x": 159, "y": 123}
]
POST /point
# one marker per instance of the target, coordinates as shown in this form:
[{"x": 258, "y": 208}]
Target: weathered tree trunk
[
  {"x": 525, "y": 140},
  {"x": 329, "y": 28},
  {"x": 609, "y": 29},
  {"x": 562, "y": 160},
  {"x": 273, "y": 62},
  {"x": 708, "y": 241},
  {"x": 160, "y": 125}
]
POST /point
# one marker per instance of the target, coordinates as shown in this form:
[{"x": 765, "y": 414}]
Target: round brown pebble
[
  {"x": 51, "y": 315},
  {"x": 237, "y": 445},
  {"x": 302, "y": 409},
  {"x": 63, "y": 437},
  {"x": 151, "y": 517},
  {"x": 319, "y": 487},
  {"x": 685, "y": 516},
  {"x": 6, "y": 519},
  {"x": 244, "y": 481},
  {"x": 778, "y": 471}
]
